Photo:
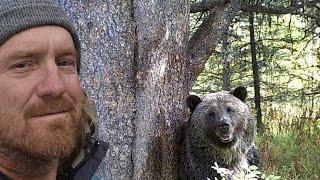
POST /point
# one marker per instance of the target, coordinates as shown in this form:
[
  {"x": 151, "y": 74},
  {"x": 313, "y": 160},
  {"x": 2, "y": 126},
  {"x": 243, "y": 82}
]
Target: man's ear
[
  {"x": 192, "y": 102},
  {"x": 240, "y": 92}
]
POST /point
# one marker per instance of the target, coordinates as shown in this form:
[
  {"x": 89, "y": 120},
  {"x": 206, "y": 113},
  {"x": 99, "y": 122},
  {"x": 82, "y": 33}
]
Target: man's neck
[{"x": 21, "y": 166}]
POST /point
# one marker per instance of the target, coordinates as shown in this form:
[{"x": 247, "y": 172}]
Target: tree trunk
[
  {"x": 255, "y": 69},
  {"x": 134, "y": 65},
  {"x": 225, "y": 61},
  {"x": 161, "y": 90},
  {"x": 108, "y": 73}
]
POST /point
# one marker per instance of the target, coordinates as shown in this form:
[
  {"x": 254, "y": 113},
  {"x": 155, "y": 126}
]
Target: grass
[{"x": 290, "y": 144}]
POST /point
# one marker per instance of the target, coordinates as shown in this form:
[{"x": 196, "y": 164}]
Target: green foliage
[
  {"x": 251, "y": 174},
  {"x": 289, "y": 63}
]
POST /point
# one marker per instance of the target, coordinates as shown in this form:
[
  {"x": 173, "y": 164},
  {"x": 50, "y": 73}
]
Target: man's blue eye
[
  {"x": 20, "y": 65},
  {"x": 66, "y": 63}
]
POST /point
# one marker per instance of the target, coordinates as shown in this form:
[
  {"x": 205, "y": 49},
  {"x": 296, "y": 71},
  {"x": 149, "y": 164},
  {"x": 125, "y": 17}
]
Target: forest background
[
  {"x": 281, "y": 71},
  {"x": 142, "y": 58}
]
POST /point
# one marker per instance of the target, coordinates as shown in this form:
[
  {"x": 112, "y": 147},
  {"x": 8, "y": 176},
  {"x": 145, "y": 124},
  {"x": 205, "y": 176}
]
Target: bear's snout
[
  {"x": 224, "y": 126},
  {"x": 225, "y": 130}
]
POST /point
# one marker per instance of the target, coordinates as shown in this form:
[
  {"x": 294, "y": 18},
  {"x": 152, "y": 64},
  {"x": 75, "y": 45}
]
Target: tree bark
[
  {"x": 255, "y": 68},
  {"x": 161, "y": 89},
  {"x": 226, "y": 66},
  {"x": 107, "y": 34}
]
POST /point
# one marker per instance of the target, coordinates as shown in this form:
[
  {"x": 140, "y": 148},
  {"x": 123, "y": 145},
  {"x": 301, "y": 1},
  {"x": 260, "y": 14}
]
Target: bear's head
[{"x": 221, "y": 119}]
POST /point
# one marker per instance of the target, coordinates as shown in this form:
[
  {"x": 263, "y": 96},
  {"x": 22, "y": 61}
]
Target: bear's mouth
[{"x": 226, "y": 137}]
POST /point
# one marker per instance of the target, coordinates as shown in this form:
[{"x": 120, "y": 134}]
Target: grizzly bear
[{"x": 220, "y": 129}]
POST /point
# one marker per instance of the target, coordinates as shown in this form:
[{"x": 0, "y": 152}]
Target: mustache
[{"x": 48, "y": 107}]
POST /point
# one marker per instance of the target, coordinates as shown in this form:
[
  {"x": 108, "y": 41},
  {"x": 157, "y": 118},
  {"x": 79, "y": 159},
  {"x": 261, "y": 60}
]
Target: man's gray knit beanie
[{"x": 19, "y": 15}]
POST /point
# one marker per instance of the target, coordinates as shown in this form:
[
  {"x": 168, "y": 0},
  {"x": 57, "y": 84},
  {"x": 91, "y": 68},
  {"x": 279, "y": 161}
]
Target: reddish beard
[{"x": 42, "y": 139}]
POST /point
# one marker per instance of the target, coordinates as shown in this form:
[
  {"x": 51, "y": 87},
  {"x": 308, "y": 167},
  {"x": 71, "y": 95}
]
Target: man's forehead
[
  {"x": 37, "y": 38},
  {"x": 23, "y": 45},
  {"x": 36, "y": 34}
]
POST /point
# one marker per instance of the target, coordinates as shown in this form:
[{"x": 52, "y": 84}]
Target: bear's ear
[
  {"x": 240, "y": 92},
  {"x": 193, "y": 101}
]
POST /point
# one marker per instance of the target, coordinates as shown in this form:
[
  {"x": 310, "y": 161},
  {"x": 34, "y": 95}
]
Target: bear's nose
[{"x": 224, "y": 126}]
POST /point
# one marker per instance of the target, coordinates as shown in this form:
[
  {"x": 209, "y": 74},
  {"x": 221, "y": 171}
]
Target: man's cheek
[{"x": 72, "y": 85}]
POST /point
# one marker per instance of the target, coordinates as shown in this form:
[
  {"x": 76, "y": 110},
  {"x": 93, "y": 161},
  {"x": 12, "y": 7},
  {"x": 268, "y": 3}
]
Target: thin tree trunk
[
  {"x": 255, "y": 68},
  {"x": 226, "y": 71}
]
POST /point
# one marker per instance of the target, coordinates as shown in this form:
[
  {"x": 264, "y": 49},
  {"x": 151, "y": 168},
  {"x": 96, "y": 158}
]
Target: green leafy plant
[{"x": 250, "y": 174}]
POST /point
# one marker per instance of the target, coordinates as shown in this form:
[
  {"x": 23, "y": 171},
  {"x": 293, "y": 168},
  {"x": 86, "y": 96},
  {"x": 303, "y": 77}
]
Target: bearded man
[{"x": 43, "y": 120}]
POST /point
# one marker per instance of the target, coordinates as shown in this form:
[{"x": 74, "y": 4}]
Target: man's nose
[{"x": 50, "y": 85}]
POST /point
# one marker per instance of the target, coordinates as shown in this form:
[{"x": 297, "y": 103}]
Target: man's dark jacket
[{"x": 87, "y": 168}]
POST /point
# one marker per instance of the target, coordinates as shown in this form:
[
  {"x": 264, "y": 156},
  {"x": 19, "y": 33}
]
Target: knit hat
[{"x": 19, "y": 15}]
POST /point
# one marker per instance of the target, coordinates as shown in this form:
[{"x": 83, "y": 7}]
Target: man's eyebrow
[
  {"x": 68, "y": 51},
  {"x": 24, "y": 53}
]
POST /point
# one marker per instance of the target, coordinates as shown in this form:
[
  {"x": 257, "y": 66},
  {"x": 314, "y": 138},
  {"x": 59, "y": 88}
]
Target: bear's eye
[
  {"x": 211, "y": 114},
  {"x": 229, "y": 109}
]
